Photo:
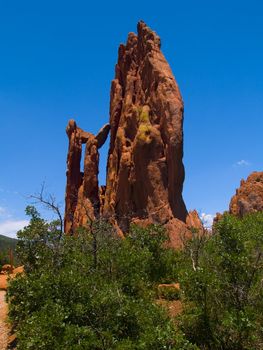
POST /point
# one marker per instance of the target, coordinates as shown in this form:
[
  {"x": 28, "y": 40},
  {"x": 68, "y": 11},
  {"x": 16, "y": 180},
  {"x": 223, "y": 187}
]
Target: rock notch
[{"x": 145, "y": 171}]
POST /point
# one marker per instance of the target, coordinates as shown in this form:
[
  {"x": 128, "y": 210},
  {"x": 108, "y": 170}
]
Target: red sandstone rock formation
[
  {"x": 193, "y": 220},
  {"x": 249, "y": 196},
  {"x": 145, "y": 171},
  {"x": 82, "y": 190}
]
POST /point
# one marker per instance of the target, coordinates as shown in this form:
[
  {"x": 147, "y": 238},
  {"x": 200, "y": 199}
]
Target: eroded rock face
[
  {"x": 82, "y": 190},
  {"x": 249, "y": 196},
  {"x": 74, "y": 176},
  {"x": 145, "y": 172}
]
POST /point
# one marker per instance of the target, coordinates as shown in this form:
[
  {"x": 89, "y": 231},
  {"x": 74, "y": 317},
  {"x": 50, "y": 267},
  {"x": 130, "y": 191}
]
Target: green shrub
[
  {"x": 74, "y": 296},
  {"x": 223, "y": 295}
]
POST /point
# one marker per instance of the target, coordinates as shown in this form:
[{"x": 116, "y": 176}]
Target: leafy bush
[
  {"x": 222, "y": 286},
  {"x": 94, "y": 291},
  {"x": 97, "y": 291}
]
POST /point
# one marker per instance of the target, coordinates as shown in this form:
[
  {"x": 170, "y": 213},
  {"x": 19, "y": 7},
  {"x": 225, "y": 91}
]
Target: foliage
[
  {"x": 223, "y": 294},
  {"x": 38, "y": 242},
  {"x": 93, "y": 291},
  {"x": 98, "y": 291},
  {"x": 144, "y": 129},
  {"x": 142, "y": 114}
]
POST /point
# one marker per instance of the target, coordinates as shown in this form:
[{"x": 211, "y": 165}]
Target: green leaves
[
  {"x": 97, "y": 291},
  {"x": 223, "y": 296},
  {"x": 66, "y": 301}
]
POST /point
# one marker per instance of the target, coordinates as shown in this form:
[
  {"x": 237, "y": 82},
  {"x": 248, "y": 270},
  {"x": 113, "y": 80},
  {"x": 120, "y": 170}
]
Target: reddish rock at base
[
  {"x": 178, "y": 233},
  {"x": 7, "y": 268},
  {"x": 4, "y": 276},
  {"x": 170, "y": 285},
  {"x": 249, "y": 196}
]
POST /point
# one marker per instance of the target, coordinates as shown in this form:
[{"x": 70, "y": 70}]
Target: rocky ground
[
  {"x": 7, "y": 339},
  {"x": 4, "y": 331}
]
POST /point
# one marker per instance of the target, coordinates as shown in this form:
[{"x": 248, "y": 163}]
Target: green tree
[
  {"x": 223, "y": 294},
  {"x": 77, "y": 295},
  {"x": 39, "y": 242}
]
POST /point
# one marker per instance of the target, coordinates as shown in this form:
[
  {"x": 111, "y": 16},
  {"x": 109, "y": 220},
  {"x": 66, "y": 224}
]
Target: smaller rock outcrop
[
  {"x": 180, "y": 232},
  {"x": 249, "y": 196},
  {"x": 193, "y": 220}
]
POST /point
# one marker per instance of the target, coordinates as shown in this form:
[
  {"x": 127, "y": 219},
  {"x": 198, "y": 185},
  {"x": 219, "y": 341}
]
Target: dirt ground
[
  {"x": 174, "y": 307},
  {"x": 4, "y": 331},
  {"x": 3, "y": 283},
  {"x": 6, "y": 339}
]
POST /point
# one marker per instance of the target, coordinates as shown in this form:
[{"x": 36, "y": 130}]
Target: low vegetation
[
  {"x": 223, "y": 294},
  {"x": 94, "y": 291},
  {"x": 97, "y": 291}
]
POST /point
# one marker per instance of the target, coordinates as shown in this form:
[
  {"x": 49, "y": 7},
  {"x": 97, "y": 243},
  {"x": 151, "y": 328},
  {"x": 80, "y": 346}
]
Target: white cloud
[
  {"x": 207, "y": 220},
  {"x": 10, "y": 227},
  {"x": 242, "y": 163}
]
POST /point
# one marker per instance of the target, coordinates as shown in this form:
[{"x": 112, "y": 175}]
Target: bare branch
[{"x": 50, "y": 203}]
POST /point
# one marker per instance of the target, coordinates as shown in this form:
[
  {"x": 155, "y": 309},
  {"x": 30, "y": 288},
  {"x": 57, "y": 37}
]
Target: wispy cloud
[
  {"x": 10, "y": 227},
  {"x": 241, "y": 163},
  {"x": 2, "y": 211},
  {"x": 9, "y": 191},
  {"x": 207, "y": 219}
]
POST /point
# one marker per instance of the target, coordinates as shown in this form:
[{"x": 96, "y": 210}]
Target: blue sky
[{"x": 57, "y": 61}]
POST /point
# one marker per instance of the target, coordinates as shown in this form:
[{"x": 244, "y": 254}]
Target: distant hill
[{"x": 5, "y": 244}]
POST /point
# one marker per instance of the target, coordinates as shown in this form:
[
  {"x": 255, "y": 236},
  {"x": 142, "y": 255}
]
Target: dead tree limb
[{"x": 50, "y": 203}]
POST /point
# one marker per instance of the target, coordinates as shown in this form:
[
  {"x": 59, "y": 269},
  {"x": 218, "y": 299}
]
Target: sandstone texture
[
  {"x": 82, "y": 189},
  {"x": 249, "y": 196},
  {"x": 145, "y": 171}
]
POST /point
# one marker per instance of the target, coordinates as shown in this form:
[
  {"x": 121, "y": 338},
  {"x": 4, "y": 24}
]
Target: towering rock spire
[{"x": 145, "y": 172}]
